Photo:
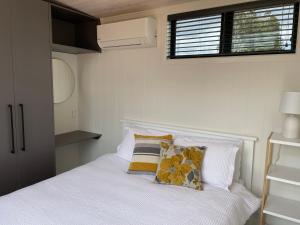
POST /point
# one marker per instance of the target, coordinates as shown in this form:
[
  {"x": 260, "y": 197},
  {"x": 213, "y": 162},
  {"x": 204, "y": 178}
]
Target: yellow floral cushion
[{"x": 180, "y": 166}]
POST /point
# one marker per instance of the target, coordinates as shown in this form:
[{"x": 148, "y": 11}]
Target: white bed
[{"x": 102, "y": 193}]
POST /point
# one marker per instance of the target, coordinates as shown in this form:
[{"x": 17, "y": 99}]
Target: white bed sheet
[{"x": 102, "y": 193}]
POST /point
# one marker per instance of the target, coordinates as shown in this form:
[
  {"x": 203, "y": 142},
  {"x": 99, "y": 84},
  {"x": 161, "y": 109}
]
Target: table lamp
[{"x": 290, "y": 105}]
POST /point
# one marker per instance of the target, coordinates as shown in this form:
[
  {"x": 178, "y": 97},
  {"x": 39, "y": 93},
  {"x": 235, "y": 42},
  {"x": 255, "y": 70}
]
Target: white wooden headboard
[{"x": 248, "y": 142}]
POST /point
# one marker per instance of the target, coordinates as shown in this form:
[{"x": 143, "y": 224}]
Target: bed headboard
[{"x": 248, "y": 142}]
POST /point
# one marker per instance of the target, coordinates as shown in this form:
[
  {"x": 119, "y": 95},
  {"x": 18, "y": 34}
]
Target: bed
[{"x": 101, "y": 193}]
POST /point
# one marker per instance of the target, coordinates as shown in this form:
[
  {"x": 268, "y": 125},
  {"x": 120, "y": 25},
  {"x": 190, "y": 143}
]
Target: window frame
[{"x": 227, "y": 13}]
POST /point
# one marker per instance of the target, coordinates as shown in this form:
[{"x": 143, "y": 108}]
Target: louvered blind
[
  {"x": 262, "y": 27},
  {"x": 266, "y": 29},
  {"x": 200, "y": 36}
]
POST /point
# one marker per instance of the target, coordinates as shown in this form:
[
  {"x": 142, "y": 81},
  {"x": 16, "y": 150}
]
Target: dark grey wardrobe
[{"x": 26, "y": 100}]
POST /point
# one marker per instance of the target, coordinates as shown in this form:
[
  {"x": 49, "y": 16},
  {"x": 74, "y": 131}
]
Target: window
[
  {"x": 262, "y": 27},
  {"x": 198, "y": 36}
]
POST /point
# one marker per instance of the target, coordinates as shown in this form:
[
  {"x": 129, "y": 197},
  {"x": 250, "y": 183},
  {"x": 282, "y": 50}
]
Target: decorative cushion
[
  {"x": 126, "y": 147},
  {"x": 146, "y": 153},
  {"x": 180, "y": 165},
  {"x": 220, "y": 160}
]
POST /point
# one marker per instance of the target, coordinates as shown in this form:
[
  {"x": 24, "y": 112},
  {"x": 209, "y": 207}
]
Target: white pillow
[
  {"x": 126, "y": 147},
  {"x": 220, "y": 160}
]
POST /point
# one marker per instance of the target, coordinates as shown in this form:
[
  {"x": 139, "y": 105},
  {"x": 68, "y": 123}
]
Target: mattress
[{"x": 102, "y": 193}]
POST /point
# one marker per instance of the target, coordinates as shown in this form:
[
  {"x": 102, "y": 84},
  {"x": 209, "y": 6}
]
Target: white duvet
[{"x": 102, "y": 193}]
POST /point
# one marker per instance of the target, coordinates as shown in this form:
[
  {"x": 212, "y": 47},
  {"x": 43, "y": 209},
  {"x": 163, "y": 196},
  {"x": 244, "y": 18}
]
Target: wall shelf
[
  {"x": 75, "y": 137},
  {"x": 73, "y": 31},
  {"x": 71, "y": 49}
]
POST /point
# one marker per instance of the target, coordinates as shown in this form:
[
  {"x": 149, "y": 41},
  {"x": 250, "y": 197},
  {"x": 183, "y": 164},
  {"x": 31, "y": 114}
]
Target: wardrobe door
[
  {"x": 33, "y": 90},
  {"x": 8, "y": 167}
]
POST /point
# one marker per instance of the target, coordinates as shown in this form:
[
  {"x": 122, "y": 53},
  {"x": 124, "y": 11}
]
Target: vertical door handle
[
  {"x": 13, "y": 150},
  {"x": 23, "y": 127}
]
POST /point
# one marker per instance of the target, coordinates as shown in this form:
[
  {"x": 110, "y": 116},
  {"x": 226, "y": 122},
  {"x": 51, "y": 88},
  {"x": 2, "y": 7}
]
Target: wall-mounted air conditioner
[{"x": 135, "y": 33}]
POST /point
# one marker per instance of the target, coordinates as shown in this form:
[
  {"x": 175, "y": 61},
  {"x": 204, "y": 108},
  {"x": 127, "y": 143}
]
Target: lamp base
[{"x": 291, "y": 127}]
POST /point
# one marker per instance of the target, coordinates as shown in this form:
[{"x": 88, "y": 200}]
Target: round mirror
[{"x": 63, "y": 81}]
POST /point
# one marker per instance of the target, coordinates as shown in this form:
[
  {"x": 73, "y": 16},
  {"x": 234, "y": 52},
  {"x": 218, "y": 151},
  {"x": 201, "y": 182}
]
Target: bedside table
[{"x": 276, "y": 206}]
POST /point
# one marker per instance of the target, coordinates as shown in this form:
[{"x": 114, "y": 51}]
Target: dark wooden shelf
[
  {"x": 71, "y": 49},
  {"x": 74, "y": 137},
  {"x": 73, "y": 31}
]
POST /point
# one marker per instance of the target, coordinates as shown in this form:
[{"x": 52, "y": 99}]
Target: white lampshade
[{"x": 290, "y": 103}]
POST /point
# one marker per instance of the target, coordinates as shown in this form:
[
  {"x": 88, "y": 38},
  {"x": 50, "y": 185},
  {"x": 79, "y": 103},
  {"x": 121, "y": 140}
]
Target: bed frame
[{"x": 248, "y": 142}]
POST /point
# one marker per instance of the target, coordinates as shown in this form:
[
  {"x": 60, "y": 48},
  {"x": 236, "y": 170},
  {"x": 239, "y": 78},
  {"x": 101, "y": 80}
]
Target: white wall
[
  {"x": 229, "y": 94},
  {"x": 66, "y": 119}
]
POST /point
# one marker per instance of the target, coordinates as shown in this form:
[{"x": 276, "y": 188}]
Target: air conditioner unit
[{"x": 135, "y": 33}]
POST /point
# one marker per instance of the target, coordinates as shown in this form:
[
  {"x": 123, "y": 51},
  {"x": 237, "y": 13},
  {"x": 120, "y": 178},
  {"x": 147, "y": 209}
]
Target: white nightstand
[{"x": 271, "y": 205}]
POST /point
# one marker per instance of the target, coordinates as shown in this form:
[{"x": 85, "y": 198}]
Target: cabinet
[
  {"x": 8, "y": 172},
  {"x": 26, "y": 99}
]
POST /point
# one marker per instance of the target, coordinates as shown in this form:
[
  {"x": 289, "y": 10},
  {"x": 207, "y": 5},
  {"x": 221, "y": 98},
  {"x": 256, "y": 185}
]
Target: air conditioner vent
[{"x": 137, "y": 33}]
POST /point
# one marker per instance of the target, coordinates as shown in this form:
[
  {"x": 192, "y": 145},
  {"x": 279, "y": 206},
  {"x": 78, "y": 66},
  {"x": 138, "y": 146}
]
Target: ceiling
[{"x": 104, "y": 8}]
